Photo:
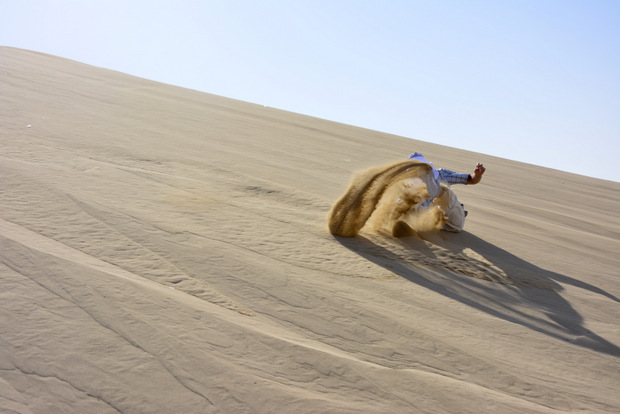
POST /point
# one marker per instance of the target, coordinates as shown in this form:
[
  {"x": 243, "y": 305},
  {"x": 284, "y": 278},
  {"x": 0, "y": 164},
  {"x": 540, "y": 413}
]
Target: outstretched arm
[{"x": 477, "y": 175}]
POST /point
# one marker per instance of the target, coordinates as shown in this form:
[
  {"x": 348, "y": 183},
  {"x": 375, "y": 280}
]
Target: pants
[{"x": 453, "y": 210}]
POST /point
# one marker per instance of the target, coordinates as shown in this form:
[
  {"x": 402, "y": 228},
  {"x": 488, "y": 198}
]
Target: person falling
[{"x": 454, "y": 211}]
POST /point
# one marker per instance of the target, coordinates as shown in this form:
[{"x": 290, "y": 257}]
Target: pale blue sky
[{"x": 530, "y": 80}]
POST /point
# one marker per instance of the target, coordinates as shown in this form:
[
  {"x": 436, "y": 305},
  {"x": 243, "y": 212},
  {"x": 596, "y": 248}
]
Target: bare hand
[
  {"x": 479, "y": 169},
  {"x": 477, "y": 175}
]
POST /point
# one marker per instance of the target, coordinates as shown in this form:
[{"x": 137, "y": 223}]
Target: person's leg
[{"x": 453, "y": 209}]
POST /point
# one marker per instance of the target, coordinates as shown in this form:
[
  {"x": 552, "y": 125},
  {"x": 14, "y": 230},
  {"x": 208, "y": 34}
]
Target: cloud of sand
[{"x": 382, "y": 197}]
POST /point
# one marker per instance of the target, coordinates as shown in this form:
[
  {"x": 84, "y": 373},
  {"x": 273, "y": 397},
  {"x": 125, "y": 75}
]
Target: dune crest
[{"x": 141, "y": 223}]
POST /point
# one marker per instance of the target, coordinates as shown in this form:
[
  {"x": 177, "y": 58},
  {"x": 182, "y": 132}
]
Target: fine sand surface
[{"x": 167, "y": 251}]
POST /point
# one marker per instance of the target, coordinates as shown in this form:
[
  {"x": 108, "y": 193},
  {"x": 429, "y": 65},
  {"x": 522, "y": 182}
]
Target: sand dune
[{"x": 168, "y": 251}]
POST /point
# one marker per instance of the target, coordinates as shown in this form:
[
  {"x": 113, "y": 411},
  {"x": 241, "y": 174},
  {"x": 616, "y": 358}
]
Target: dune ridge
[{"x": 166, "y": 250}]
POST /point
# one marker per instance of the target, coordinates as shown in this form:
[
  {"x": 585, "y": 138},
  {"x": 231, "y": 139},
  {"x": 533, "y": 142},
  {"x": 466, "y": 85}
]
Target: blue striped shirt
[{"x": 451, "y": 177}]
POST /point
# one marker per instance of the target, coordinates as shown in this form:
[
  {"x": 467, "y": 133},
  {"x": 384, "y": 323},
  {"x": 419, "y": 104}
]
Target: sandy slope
[{"x": 164, "y": 250}]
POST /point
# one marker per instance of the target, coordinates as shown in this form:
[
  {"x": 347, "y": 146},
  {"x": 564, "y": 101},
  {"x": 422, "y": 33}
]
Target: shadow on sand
[{"x": 530, "y": 299}]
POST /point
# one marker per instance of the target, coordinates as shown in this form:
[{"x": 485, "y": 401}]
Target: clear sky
[{"x": 530, "y": 80}]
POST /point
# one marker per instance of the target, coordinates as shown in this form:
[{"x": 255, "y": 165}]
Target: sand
[{"x": 168, "y": 251}]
